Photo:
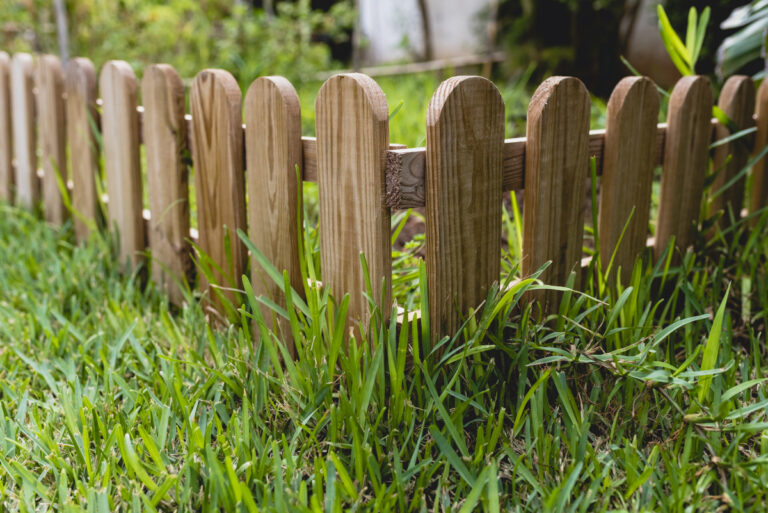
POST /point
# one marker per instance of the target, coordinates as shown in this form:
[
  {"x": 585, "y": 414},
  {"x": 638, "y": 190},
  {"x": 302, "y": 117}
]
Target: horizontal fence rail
[{"x": 246, "y": 150}]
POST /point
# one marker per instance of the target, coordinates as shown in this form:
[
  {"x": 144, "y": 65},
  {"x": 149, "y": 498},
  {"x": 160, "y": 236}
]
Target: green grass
[{"x": 646, "y": 396}]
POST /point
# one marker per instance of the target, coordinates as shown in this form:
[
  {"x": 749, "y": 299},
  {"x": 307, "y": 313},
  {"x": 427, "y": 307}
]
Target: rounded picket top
[
  {"x": 24, "y": 61},
  {"x": 49, "y": 64},
  {"x": 51, "y": 134},
  {"x": 269, "y": 89},
  {"x": 25, "y": 144},
  {"x": 686, "y": 150},
  {"x": 558, "y": 93},
  {"x": 629, "y": 157},
  {"x": 273, "y": 138},
  {"x": 741, "y": 89},
  {"x": 165, "y": 142},
  {"x": 633, "y": 91},
  {"x": 80, "y": 74},
  {"x": 117, "y": 74},
  {"x": 352, "y": 139},
  {"x": 122, "y": 157},
  {"x": 691, "y": 92},
  {"x": 217, "y": 153},
  {"x": 556, "y": 165},
  {"x": 737, "y": 101},
  {"x": 355, "y": 88},
  {"x": 471, "y": 94},
  {"x": 80, "y": 88},
  {"x": 465, "y": 146}
]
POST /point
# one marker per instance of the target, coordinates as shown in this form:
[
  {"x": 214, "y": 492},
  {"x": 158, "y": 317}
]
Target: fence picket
[
  {"x": 628, "y": 161},
  {"x": 273, "y": 139},
  {"x": 760, "y": 169},
  {"x": 737, "y": 101},
  {"x": 6, "y": 132},
  {"x": 51, "y": 134},
  {"x": 689, "y": 132},
  {"x": 82, "y": 119},
  {"x": 465, "y": 140},
  {"x": 165, "y": 143},
  {"x": 120, "y": 135},
  {"x": 24, "y": 143},
  {"x": 217, "y": 150},
  {"x": 556, "y": 163},
  {"x": 352, "y": 139}
]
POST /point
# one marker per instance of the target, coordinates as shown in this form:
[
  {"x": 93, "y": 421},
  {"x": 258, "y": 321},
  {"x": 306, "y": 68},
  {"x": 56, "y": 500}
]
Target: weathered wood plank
[
  {"x": 760, "y": 169},
  {"x": 689, "y": 131},
  {"x": 406, "y": 167},
  {"x": 556, "y": 163},
  {"x": 465, "y": 140},
  {"x": 352, "y": 138},
  {"x": 217, "y": 152},
  {"x": 6, "y": 131},
  {"x": 737, "y": 101},
  {"x": 273, "y": 139},
  {"x": 24, "y": 133},
  {"x": 52, "y": 135},
  {"x": 628, "y": 162},
  {"x": 165, "y": 142},
  {"x": 82, "y": 118},
  {"x": 120, "y": 136}
]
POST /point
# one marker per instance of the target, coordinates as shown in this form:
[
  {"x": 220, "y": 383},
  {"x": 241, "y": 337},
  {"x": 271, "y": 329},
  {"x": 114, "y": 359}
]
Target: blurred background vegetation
[
  {"x": 304, "y": 39},
  {"x": 298, "y": 38}
]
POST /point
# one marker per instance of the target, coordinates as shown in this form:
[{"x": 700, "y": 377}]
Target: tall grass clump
[{"x": 647, "y": 395}]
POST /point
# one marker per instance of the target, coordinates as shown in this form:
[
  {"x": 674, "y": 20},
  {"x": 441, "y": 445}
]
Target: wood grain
[
  {"x": 120, "y": 136},
  {"x": 165, "y": 141},
  {"x": 24, "y": 133},
  {"x": 406, "y": 168},
  {"x": 628, "y": 162},
  {"x": 82, "y": 117},
  {"x": 465, "y": 140},
  {"x": 689, "y": 131},
  {"x": 6, "y": 130},
  {"x": 217, "y": 152},
  {"x": 760, "y": 169},
  {"x": 352, "y": 138},
  {"x": 556, "y": 164},
  {"x": 273, "y": 139},
  {"x": 52, "y": 135},
  {"x": 737, "y": 101}
]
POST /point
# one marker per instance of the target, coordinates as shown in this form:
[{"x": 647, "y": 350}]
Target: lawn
[{"x": 644, "y": 397}]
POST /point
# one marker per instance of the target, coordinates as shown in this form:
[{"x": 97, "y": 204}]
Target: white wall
[{"x": 392, "y": 28}]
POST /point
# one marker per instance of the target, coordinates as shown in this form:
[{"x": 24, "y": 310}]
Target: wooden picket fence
[{"x": 49, "y": 116}]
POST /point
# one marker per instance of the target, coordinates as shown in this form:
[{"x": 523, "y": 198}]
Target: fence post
[
  {"x": 6, "y": 132},
  {"x": 51, "y": 133},
  {"x": 352, "y": 138},
  {"x": 273, "y": 139},
  {"x": 465, "y": 140},
  {"x": 217, "y": 150},
  {"x": 556, "y": 163},
  {"x": 759, "y": 171},
  {"x": 82, "y": 120},
  {"x": 689, "y": 132},
  {"x": 737, "y": 101},
  {"x": 165, "y": 143},
  {"x": 25, "y": 144},
  {"x": 120, "y": 135},
  {"x": 628, "y": 161}
]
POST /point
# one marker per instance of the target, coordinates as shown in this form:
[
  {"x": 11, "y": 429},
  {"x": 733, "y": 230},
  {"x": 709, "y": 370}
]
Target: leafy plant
[
  {"x": 748, "y": 43},
  {"x": 684, "y": 55}
]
